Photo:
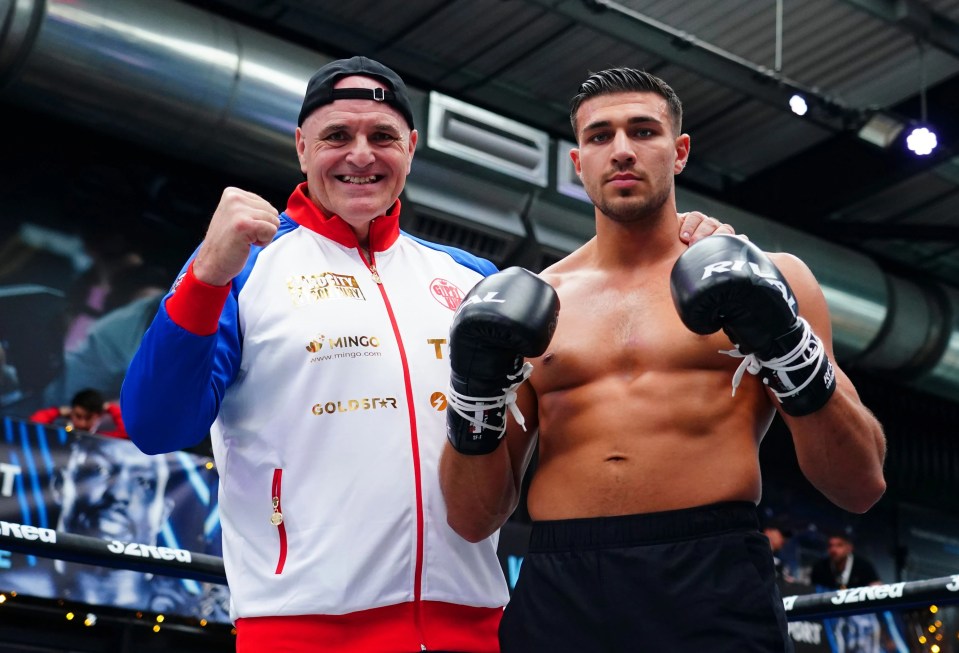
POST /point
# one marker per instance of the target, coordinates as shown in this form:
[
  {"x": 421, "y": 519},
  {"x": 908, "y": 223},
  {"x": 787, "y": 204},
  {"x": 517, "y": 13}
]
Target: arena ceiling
[{"x": 735, "y": 64}]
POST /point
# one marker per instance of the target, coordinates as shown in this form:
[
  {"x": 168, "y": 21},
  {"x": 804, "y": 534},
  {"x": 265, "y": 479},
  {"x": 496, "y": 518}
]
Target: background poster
[{"x": 106, "y": 488}]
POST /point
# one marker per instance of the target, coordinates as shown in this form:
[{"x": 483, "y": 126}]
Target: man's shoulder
[{"x": 461, "y": 257}]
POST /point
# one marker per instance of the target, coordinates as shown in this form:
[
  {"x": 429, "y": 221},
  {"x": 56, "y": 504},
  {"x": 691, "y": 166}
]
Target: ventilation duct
[
  {"x": 483, "y": 137},
  {"x": 162, "y": 74},
  {"x": 188, "y": 83}
]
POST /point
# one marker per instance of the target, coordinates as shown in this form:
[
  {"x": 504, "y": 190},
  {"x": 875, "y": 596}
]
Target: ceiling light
[
  {"x": 798, "y": 104},
  {"x": 922, "y": 141},
  {"x": 881, "y": 130}
]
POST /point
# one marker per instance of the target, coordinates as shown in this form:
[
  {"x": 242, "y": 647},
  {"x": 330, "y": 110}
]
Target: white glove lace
[
  {"x": 472, "y": 408},
  {"x": 796, "y": 359}
]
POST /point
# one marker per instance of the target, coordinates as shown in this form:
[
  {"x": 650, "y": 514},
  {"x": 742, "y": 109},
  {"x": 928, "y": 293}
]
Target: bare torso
[{"x": 635, "y": 411}]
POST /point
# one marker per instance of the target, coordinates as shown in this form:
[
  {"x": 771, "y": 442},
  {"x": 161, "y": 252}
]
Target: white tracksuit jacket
[{"x": 325, "y": 383}]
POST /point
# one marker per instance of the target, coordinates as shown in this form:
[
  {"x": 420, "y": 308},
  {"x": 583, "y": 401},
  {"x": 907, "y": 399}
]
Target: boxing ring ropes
[{"x": 180, "y": 563}]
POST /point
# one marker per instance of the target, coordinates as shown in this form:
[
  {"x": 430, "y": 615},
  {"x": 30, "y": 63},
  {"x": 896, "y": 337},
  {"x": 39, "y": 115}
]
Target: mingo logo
[
  {"x": 343, "y": 347},
  {"x": 308, "y": 289},
  {"x": 446, "y": 293}
]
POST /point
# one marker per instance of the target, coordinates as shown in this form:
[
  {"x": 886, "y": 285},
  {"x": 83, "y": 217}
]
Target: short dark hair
[
  {"x": 88, "y": 399},
  {"x": 626, "y": 80}
]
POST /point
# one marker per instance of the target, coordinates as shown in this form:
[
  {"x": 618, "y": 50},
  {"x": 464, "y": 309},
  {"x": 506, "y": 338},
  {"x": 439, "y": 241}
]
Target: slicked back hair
[{"x": 626, "y": 80}]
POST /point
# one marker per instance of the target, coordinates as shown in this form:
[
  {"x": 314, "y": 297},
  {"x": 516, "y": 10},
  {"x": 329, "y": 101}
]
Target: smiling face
[
  {"x": 356, "y": 155},
  {"x": 628, "y": 154}
]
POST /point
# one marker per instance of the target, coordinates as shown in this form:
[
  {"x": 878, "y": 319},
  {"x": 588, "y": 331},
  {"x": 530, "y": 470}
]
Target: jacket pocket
[{"x": 276, "y": 518}]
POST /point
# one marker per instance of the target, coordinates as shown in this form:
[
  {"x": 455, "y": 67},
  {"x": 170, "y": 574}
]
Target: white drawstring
[
  {"x": 472, "y": 408},
  {"x": 796, "y": 359}
]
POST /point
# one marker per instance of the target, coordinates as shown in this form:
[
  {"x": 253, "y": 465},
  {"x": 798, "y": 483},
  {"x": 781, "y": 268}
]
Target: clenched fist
[{"x": 241, "y": 219}]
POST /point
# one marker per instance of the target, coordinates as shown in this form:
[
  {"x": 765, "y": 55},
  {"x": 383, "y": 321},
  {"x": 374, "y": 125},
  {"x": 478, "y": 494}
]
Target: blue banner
[{"x": 106, "y": 488}]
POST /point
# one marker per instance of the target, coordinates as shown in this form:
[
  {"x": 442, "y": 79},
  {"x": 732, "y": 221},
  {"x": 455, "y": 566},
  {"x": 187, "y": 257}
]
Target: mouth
[
  {"x": 354, "y": 179},
  {"x": 116, "y": 524}
]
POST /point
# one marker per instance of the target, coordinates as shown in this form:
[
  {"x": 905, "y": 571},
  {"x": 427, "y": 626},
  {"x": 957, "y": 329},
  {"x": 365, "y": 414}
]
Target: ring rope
[
  {"x": 873, "y": 598},
  {"x": 166, "y": 561},
  {"x": 180, "y": 563}
]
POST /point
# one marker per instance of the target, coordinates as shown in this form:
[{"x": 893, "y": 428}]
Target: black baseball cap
[{"x": 320, "y": 92}]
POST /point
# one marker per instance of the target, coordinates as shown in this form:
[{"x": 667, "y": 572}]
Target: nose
[
  {"x": 120, "y": 484},
  {"x": 361, "y": 153},
  {"x": 622, "y": 152}
]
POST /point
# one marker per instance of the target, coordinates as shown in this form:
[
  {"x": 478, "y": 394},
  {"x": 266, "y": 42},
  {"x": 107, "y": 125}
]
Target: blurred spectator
[
  {"x": 101, "y": 359},
  {"x": 842, "y": 569},
  {"x": 125, "y": 281},
  {"x": 777, "y": 533},
  {"x": 31, "y": 334},
  {"x": 87, "y": 412}
]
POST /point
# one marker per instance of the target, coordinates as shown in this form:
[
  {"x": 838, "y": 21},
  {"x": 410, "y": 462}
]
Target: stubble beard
[{"x": 630, "y": 209}]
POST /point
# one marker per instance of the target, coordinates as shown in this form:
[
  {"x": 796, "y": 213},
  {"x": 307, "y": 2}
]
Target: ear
[
  {"x": 414, "y": 138},
  {"x": 168, "y": 505},
  {"x": 574, "y": 155},
  {"x": 301, "y": 149},
  {"x": 682, "y": 153}
]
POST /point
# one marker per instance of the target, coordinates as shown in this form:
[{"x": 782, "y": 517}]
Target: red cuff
[
  {"x": 196, "y": 306},
  {"x": 46, "y": 415}
]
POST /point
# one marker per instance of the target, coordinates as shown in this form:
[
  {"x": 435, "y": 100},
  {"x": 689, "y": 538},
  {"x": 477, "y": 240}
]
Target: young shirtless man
[{"x": 645, "y": 535}]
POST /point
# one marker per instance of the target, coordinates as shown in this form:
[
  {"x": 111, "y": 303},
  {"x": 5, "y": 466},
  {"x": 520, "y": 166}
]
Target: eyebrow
[
  {"x": 601, "y": 124},
  {"x": 382, "y": 126}
]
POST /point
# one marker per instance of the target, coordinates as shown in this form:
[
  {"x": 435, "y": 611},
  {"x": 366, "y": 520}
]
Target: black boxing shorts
[{"x": 698, "y": 579}]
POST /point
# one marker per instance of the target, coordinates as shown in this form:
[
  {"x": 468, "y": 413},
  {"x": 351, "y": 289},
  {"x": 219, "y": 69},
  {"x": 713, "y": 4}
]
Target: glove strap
[
  {"x": 807, "y": 360},
  {"x": 472, "y": 410}
]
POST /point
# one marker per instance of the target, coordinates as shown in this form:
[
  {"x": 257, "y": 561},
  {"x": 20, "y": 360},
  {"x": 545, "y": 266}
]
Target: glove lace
[
  {"x": 472, "y": 408},
  {"x": 797, "y": 358}
]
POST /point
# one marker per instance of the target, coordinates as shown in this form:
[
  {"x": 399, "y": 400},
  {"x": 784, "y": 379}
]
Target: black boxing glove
[
  {"x": 725, "y": 282},
  {"x": 507, "y": 316}
]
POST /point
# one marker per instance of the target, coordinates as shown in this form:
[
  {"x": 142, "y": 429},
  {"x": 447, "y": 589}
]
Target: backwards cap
[{"x": 320, "y": 91}]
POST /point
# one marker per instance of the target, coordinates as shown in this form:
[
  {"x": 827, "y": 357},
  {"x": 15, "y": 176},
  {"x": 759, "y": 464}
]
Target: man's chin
[{"x": 115, "y": 532}]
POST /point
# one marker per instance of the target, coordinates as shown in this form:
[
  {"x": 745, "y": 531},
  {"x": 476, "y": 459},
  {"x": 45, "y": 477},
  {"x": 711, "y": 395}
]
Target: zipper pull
[
  {"x": 376, "y": 275},
  {"x": 277, "y": 517}
]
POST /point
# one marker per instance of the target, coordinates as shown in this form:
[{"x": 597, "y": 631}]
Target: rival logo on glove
[
  {"x": 488, "y": 298},
  {"x": 769, "y": 277}
]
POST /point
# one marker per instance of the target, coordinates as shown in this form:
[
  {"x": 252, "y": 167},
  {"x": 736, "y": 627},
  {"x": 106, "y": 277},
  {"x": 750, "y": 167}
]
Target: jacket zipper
[
  {"x": 414, "y": 442},
  {"x": 276, "y": 518}
]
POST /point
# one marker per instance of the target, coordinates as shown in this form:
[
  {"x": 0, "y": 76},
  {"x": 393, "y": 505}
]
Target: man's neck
[{"x": 635, "y": 244}]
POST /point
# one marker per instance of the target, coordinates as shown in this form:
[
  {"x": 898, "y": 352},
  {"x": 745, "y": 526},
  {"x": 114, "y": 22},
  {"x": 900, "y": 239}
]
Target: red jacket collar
[{"x": 384, "y": 230}]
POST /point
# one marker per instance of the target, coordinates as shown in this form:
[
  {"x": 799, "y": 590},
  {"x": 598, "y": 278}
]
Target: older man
[{"x": 313, "y": 342}]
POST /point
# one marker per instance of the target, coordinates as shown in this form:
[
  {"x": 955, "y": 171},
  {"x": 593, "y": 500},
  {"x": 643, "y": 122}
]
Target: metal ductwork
[
  {"x": 162, "y": 74},
  {"x": 182, "y": 81}
]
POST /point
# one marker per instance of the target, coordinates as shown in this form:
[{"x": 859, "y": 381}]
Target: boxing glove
[
  {"x": 506, "y": 317},
  {"x": 725, "y": 282}
]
